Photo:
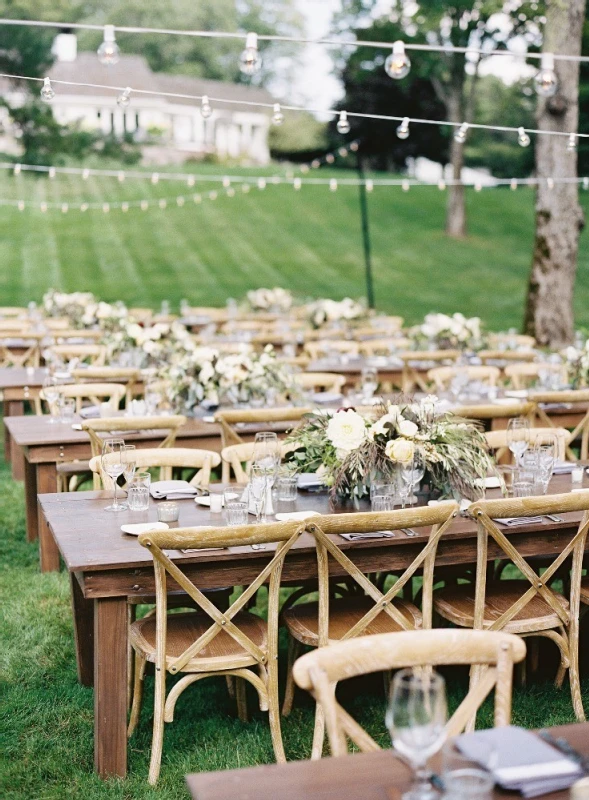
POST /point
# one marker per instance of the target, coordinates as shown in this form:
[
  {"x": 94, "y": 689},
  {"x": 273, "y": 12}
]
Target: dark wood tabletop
[
  {"x": 370, "y": 776},
  {"x": 16, "y": 377}
]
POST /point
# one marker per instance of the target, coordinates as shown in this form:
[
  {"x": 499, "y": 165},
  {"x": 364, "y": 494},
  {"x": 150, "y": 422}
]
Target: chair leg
[
  {"x": 140, "y": 664},
  {"x": 274, "y": 713},
  {"x": 241, "y": 697},
  {"x": 157, "y": 742},
  {"x": 318, "y": 733},
  {"x": 294, "y": 649}
]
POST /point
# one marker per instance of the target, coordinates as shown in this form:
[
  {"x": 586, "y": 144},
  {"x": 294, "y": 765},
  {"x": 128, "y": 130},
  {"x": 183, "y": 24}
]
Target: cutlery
[
  {"x": 554, "y": 517},
  {"x": 258, "y": 546},
  {"x": 561, "y": 744},
  {"x": 409, "y": 532}
]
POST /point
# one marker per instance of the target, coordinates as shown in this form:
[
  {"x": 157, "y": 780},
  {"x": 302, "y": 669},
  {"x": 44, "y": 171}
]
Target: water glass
[
  {"x": 286, "y": 488},
  {"x": 215, "y": 502},
  {"x": 67, "y": 409},
  {"x": 112, "y": 464},
  {"x": 577, "y": 474},
  {"x": 464, "y": 778},
  {"x": 369, "y": 383},
  {"x": 138, "y": 498},
  {"x": 523, "y": 488},
  {"x": 168, "y": 511},
  {"x": 142, "y": 478},
  {"x": 236, "y": 512},
  {"x": 51, "y": 394},
  {"x": 258, "y": 488},
  {"x": 382, "y": 502},
  {"x": 383, "y": 488},
  {"x": 518, "y": 436}
]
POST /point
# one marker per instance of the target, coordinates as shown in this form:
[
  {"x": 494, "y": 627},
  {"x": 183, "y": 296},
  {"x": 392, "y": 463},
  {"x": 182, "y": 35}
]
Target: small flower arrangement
[
  {"x": 577, "y": 362},
  {"x": 83, "y": 310},
  {"x": 276, "y": 299},
  {"x": 347, "y": 449},
  {"x": 152, "y": 344},
  {"x": 449, "y": 332},
  {"x": 326, "y": 312}
]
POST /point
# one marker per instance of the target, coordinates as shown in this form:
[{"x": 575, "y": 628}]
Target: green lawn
[
  {"x": 46, "y": 716},
  {"x": 308, "y": 241}
]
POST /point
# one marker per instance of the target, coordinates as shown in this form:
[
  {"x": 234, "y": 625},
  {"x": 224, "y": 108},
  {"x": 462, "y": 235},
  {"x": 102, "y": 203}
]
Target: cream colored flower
[
  {"x": 400, "y": 450},
  {"x": 407, "y": 428},
  {"x": 346, "y": 430}
]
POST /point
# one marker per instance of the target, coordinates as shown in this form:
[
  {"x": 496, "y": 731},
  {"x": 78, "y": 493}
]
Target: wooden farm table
[
  {"x": 371, "y": 776},
  {"x": 18, "y": 385},
  {"x": 107, "y": 567},
  {"x": 389, "y": 370}
]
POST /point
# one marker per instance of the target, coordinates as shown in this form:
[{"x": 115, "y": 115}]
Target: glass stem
[
  {"x": 422, "y": 781},
  {"x": 115, "y": 505}
]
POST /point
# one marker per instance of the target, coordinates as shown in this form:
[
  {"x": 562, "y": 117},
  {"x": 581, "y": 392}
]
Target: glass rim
[{"x": 412, "y": 675}]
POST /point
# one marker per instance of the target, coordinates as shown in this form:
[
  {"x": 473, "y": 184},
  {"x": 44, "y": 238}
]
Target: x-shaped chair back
[
  {"x": 258, "y": 416},
  {"x": 25, "y": 354},
  {"x": 573, "y": 396},
  {"x": 412, "y": 378}
]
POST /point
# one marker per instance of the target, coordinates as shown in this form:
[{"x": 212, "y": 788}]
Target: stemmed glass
[
  {"x": 416, "y": 718},
  {"x": 258, "y": 489},
  {"x": 113, "y": 465},
  {"x": 51, "y": 393},
  {"x": 369, "y": 383},
  {"x": 267, "y": 451},
  {"x": 411, "y": 473},
  {"x": 545, "y": 457},
  {"x": 518, "y": 437},
  {"x": 129, "y": 459}
]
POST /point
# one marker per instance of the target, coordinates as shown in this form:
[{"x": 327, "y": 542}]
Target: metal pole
[{"x": 365, "y": 232}]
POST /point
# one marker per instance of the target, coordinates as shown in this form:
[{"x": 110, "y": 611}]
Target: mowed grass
[
  {"x": 308, "y": 241},
  {"x": 46, "y": 717}
]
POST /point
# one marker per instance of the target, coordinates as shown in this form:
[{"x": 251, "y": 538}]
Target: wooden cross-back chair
[
  {"x": 229, "y": 418},
  {"x": 237, "y": 458},
  {"x": 320, "y": 381},
  {"x": 442, "y": 377},
  {"x": 327, "y": 620},
  {"x": 139, "y": 314},
  {"x": 13, "y": 311},
  {"x": 94, "y": 354},
  {"x": 96, "y": 393},
  {"x": 519, "y": 340},
  {"x": 320, "y": 670},
  {"x": 501, "y": 356},
  {"x": 15, "y": 326},
  {"x": 343, "y": 347},
  {"x": 26, "y": 353},
  {"x": 529, "y": 606},
  {"x": 413, "y": 360},
  {"x": 234, "y": 643},
  {"x": 521, "y": 376},
  {"x": 382, "y": 346},
  {"x": 81, "y": 335},
  {"x": 571, "y": 397},
  {"x": 167, "y": 459},
  {"x": 497, "y": 441},
  {"x": 494, "y": 411},
  {"x": 129, "y": 377}
]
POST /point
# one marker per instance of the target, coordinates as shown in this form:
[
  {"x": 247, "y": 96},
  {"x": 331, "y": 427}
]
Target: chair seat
[
  {"x": 73, "y": 467},
  {"x": 302, "y": 620},
  {"x": 585, "y": 590},
  {"x": 456, "y": 604},
  {"x": 184, "y": 629}
]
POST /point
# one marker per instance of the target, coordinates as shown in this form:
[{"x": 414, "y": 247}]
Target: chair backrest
[
  {"x": 166, "y": 458},
  {"x": 141, "y": 314},
  {"x": 413, "y": 361},
  {"x": 116, "y": 425},
  {"x": 517, "y": 340},
  {"x": 501, "y": 356},
  {"x": 320, "y": 670},
  {"x": 227, "y": 419},
  {"x": 382, "y": 347},
  {"x": 497, "y": 440},
  {"x": 523, "y": 375},
  {"x": 320, "y": 381},
  {"x": 128, "y": 376},
  {"x": 238, "y": 458},
  {"x": 570, "y": 397},
  {"x": 96, "y": 393},
  {"x": 92, "y": 353},
  {"x": 443, "y": 376},
  {"x": 492, "y": 410},
  {"x": 75, "y": 334},
  {"x": 318, "y": 349},
  {"x": 14, "y": 325},
  {"x": 13, "y": 311},
  {"x": 56, "y": 323},
  {"x": 26, "y": 353}
]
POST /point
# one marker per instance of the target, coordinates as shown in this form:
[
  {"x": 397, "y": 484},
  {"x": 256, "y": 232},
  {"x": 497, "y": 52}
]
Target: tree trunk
[
  {"x": 549, "y": 312},
  {"x": 455, "y": 107}
]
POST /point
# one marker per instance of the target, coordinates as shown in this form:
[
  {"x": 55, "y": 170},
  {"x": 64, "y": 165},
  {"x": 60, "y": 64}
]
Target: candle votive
[
  {"x": 168, "y": 512},
  {"x": 216, "y": 503},
  {"x": 577, "y": 476}
]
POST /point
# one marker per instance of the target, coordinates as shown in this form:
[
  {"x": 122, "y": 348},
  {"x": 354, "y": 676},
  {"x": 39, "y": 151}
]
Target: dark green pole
[{"x": 365, "y": 232}]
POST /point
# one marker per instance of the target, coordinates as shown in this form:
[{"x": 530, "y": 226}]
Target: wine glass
[
  {"x": 129, "y": 459},
  {"x": 545, "y": 450},
  {"x": 258, "y": 490},
  {"x": 518, "y": 436},
  {"x": 267, "y": 452},
  {"x": 416, "y": 718},
  {"x": 51, "y": 394},
  {"x": 369, "y": 383},
  {"x": 411, "y": 473},
  {"x": 112, "y": 464}
]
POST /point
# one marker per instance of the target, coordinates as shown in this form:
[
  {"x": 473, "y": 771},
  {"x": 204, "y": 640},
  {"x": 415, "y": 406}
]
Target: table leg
[
  {"x": 12, "y": 408},
  {"x": 83, "y": 613},
  {"x": 17, "y": 460},
  {"x": 48, "y": 550},
  {"x": 110, "y": 686},
  {"x": 31, "y": 501}
]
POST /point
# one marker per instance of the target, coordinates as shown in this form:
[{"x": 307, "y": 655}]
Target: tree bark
[
  {"x": 457, "y": 112},
  {"x": 549, "y": 312}
]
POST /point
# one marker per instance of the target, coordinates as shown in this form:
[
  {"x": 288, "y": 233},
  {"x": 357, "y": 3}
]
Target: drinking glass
[
  {"x": 383, "y": 488},
  {"x": 416, "y": 716},
  {"x": 369, "y": 383},
  {"x": 67, "y": 409},
  {"x": 267, "y": 451},
  {"x": 518, "y": 436},
  {"x": 51, "y": 394},
  {"x": 236, "y": 513},
  {"x": 286, "y": 488},
  {"x": 411, "y": 474},
  {"x": 382, "y": 502},
  {"x": 138, "y": 498},
  {"x": 112, "y": 464},
  {"x": 464, "y": 778},
  {"x": 258, "y": 489},
  {"x": 129, "y": 459},
  {"x": 545, "y": 456}
]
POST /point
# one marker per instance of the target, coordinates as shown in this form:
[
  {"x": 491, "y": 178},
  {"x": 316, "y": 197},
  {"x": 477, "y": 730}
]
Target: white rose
[
  {"x": 400, "y": 450},
  {"x": 346, "y": 430},
  {"x": 407, "y": 428}
]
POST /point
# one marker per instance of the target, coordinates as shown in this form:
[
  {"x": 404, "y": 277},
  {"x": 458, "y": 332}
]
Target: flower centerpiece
[
  {"x": 328, "y": 312},
  {"x": 577, "y": 363},
  {"x": 149, "y": 345},
  {"x": 277, "y": 299},
  {"x": 449, "y": 332},
  {"x": 83, "y": 310},
  {"x": 348, "y": 450}
]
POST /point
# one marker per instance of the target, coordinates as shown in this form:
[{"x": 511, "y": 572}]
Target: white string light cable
[{"x": 461, "y": 128}]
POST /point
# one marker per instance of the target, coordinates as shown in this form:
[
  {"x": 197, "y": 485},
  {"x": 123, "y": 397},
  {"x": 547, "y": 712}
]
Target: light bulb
[
  {"x": 460, "y": 135},
  {"x": 342, "y": 152},
  {"x": 155, "y": 178},
  {"x": 108, "y": 52},
  {"x": 333, "y": 185},
  {"x": 369, "y": 185},
  {"x": 162, "y": 203},
  {"x": 124, "y": 99},
  {"x": 64, "y": 208},
  {"x": 261, "y": 183},
  {"x": 47, "y": 93},
  {"x": 297, "y": 183},
  {"x": 277, "y": 115},
  {"x": 51, "y": 172},
  {"x": 250, "y": 60},
  {"x": 354, "y": 147},
  {"x": 121, "y": 176},
  {"x": 343, "y": 126},
  {"x": 545, "y": 81},
  {"x": 585, "y": 183},
  {"x": 144, "y": 205},
  {"x": 329, "y": 158},
  {"x": 226, "y": 182},
  {"x": 180, "y": 201},
  {"x": 550, "y": 183},
  {"x": 84, "y": 207},
  {"x": 85, "y": 174},
  {"x": 17, "y": 169},
  {"x": 513, "y": 185},
  {"x": 205, "y": 107},
  {"x": 405, "y": 186},
  {"x": 124, "y": 207},
  {"x": 21, "y": 205},
  {"x": 315, "y": 163},
  {"x": 397, "y": 65},
  {"x": 403, "y": 129},
  {"x": 522, "y": 137},
  {"x": 106, "y": 208},
  {"x": 572, "y": 143},
  {"x": 441, "y": 185}
]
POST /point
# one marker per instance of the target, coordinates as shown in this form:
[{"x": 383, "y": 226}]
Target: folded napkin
[
  {"x": 563, "y": 467},
  {"x": 354, "y": 537},
  {"x": 172, "y": 490},
  {"x": 90, "y": 412},
  {"x": 309, "y": 480},
  {"x": 513, "y": 522},
  {"x": 326, "y": 397},
  {"x": 523, "y": 761}
]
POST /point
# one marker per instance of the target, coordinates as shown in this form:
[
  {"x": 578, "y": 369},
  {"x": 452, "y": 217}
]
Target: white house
[{"x": 232, "y": 131}]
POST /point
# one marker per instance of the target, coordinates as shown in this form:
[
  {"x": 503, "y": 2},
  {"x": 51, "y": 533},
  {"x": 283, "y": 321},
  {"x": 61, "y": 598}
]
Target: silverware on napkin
[{"x": 564, "y": 747}]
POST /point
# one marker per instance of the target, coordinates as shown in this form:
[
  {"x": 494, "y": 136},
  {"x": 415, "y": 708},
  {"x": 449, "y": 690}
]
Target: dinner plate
[
  {"x": 141, "y": 527},
  {"x": 296, "y": 515}
]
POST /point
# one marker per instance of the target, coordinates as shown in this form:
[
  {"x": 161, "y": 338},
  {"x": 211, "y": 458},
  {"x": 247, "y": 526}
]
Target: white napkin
[
  {"x": 90, "y": 412},
  {"x": 172, "y": 490},
  {"x": 296, "y": 515},
  {"x": 563, "y": 467},
  {"x": 354, "y": 537},
  {"x": 513, "y": 522},
  {"x": 309, "y": 480}
]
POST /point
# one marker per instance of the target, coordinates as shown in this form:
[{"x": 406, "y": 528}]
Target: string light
[
  {"x": 226, "y": 182},
  {"x": 333, "y": 185},
  {"x": 108, "y": 53},
  {"x": 155, "y": 178},
  {"x": 441, "y": 185},
  {"x": 17, "y": 169},
  {"x": 343, "y": 126},
  {"x": 397, "y": 65},
  {"x": 179, "y": 202},
  {"x": 261, "y": 183},
  {"x": 85, "y": 174},
  {"x": 297, "y": 183},
  {"x": 277, "y": 115},
  {"x": 124, "y": 99},
  {"x": 522, "y": 137},
  {"x": 513, "y": 185},
  {"x": 572, "y": 144},
  {"x": 190, "y": 180},
  {"x": 545, "y": 81},
  {"x": 405, "y": 186},
  {"x": 550, "y": 183},
  {"x": 205, "y": 107},
  {"x": 460, "y": 135},
  {"x": 369, "y": 185},
  {"x": 330, "y": 158},
  {"x": 250, "y": 60},
  {"x": 51, "y": 172},
  {"x": 212, "y": 195},
  {"x": 47, "y": 92},
  {"x": 121, "y": 177},
  {"x": 403, "y": 129}
]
